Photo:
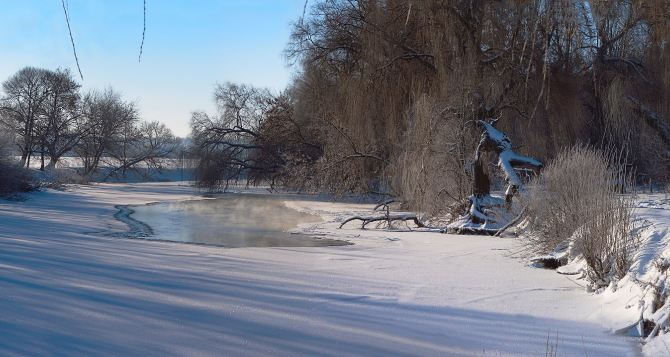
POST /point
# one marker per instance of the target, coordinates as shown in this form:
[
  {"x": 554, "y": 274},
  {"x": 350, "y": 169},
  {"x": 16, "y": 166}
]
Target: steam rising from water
[{"x": 234, "y": 220}]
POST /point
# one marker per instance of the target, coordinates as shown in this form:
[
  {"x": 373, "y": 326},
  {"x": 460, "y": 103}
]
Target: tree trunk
[
  {"x": 483, "y": 216},
  {"x": 42, "y": 158}
]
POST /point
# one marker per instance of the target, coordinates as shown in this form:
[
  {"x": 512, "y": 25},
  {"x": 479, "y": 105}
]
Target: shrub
[
  {"x": 15, "y": 179},
  {"x": 58, "y": 177},
  {"x": 605, "y": 239},
  {"x": 576, "y": 201}
]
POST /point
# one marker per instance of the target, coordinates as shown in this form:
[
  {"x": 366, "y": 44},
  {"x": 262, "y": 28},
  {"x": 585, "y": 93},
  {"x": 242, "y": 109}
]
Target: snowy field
[{"x": 69, "y": 288}]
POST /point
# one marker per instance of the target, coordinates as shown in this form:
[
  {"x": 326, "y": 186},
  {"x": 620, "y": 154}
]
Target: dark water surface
[{"x": 232, "y": 220}]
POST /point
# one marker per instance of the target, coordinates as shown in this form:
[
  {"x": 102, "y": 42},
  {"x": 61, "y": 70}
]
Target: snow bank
[{"x": 639, "y": 302}]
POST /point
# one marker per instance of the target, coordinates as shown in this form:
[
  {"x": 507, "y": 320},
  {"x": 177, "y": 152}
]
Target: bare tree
[
  {"x": 62, "y": 128},
  {"x": 147, "y": 144},
  {"x": 255, "y": 137},
  {"x": 223, "y": 143},
  {"x": 105, "y": 116},
  {"x": 24, "y": 97},
  {"x": 44, "y": 113}
]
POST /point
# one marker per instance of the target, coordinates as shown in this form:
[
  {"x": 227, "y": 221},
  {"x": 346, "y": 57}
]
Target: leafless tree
[
  {"x": 253, "y": 137},
  {"x": 106, "y": 116},
  {"x": 42, "y": 107},
  {"x": 24, "y": 97},
  {"x": 62, "y": 127},
  {"x": 147, "y": 145}
]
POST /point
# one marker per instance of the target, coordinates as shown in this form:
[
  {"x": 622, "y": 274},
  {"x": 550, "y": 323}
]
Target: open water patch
[{"x": 231, "y": 220}]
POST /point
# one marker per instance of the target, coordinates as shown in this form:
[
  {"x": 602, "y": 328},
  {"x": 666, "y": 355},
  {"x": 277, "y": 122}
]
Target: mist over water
[{"x": 235, "y": 220}]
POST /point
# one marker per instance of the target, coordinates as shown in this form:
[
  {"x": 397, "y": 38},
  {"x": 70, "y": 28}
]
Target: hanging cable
[
  {"x": 69, "y": 29},
  {"x": 144, "y": 30}
]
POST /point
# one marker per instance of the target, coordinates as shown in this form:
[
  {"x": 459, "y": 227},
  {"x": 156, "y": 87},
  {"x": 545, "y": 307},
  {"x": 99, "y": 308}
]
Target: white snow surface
[{"x": 69, "y": 288}]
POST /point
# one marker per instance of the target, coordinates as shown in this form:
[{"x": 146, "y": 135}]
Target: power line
[
  {"x": 304, "y": 9},
  {"x": 144, "y": 30},
  {"x": 69, "y": 29}
]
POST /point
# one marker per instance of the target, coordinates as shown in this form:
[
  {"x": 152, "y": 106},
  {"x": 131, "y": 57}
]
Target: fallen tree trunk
[{"x": 388, "y": 218}]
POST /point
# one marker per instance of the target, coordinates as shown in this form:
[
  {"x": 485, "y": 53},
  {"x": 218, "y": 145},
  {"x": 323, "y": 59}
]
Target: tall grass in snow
[{"x": 577, "y": 203}]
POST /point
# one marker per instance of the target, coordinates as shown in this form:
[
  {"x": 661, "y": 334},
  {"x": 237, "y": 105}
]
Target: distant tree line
[
  {"x": 388, "y": 91},
  {"x": 47, "y": 117}
]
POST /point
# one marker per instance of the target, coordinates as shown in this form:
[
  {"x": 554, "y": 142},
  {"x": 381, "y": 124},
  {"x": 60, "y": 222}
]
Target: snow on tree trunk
[{"x": 487, "y": 214}]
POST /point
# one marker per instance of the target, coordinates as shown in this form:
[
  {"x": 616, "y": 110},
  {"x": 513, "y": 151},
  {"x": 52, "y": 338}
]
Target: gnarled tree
[{"x": 487, "y": 214}]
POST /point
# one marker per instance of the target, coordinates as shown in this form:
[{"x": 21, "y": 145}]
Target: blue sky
[{"x": 190, "y": 45}]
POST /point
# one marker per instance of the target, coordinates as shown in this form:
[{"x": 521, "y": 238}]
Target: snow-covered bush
[{"x": 576, "y": 202}]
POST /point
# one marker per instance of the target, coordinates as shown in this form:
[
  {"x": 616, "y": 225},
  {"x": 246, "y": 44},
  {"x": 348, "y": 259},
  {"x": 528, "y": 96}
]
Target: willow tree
[{"x": 392, "y": 87}]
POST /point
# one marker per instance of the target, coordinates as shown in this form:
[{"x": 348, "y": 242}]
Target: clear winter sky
[{"x": 190, "y": 45}]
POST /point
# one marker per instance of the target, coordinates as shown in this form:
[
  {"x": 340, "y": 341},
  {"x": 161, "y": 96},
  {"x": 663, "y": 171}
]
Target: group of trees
[
  {"x": 388, "y": 94},
  {"x": 48, "y": 117},
  {"x": 253, "y": 137},
  {"x": 399, "y": 97}
]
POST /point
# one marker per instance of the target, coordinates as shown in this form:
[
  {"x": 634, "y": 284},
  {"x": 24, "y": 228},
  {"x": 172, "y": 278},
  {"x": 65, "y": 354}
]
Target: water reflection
[{"x": 234, "y": 220}]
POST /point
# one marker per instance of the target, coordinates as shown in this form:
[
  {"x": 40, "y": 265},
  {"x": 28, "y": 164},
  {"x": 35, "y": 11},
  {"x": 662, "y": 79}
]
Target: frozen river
[{"x": 69, "y": 288}]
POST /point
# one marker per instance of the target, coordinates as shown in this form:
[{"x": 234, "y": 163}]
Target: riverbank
[{"x": 68, "y": 287}]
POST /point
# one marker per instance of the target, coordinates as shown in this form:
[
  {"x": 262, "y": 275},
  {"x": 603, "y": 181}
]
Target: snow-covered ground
[{"x": 69, "y": 288}]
